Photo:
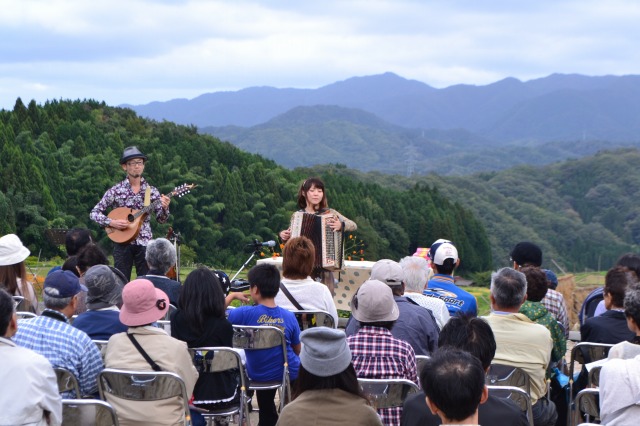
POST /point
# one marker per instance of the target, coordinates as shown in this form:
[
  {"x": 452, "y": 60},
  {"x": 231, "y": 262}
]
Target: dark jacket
[{"x": 610, "y": 327}]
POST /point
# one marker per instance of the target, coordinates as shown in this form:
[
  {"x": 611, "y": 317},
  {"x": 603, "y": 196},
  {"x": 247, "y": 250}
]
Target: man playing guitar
[{"x": 130, "y": 193}]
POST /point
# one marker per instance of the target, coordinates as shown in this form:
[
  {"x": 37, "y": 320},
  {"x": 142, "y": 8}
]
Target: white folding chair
[
  {"x": 584, "y": 353},
  {"x": 517, "y": 395},
  {"x": 88, "y": 412},
  {"x": 143, "y": 386},
  {"x": 67, "y": 383},
  {"x": 25, "y": 315},
  {"x": 587, "y": 405},
  {"x": 387, "y": 393},
  {"x": 314, "y": 318},
  {"x": 217, "y": 360},
  {"x": 265, "y": 337}
]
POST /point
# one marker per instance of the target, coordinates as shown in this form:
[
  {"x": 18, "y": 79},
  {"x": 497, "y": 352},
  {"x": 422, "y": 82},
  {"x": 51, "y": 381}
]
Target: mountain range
[{"x": 394, "y": 125}]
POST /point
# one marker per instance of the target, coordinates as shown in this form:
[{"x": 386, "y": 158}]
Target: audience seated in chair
[
  {"x": 52, "y": 336},
  {"x": 473, "y": 335},
  {"x": 536, "y": 290},
  {"x": 29, "y": 387},
  {"x": 416, "y": 276},
  {"x": 376, "y": 353},
  {"x": 265, "y": 364},
  {"x": 630, "y": 349},
  {"x": 326, "y": 392},
  {"x": 13, "y": 272},
  {"x": 200, "y": 322},
  {"x": 415, "y": 325},
  {"x": 161, "y": 256},
  {"x": 298, "y": 257},
  {"x": 529, "y": 254},
  {"x": 521, "y": 342},
  {"x": 454, "y": 385},
  {"x": 104, "y": 294},
  {"x": 611, "y": 326},
  {"x": 88, "y": 256},
  {"x": 143, "y": 304},
  {"x": 619, "y": 392}
]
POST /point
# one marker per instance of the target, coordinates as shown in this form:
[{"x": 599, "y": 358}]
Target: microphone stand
[{"x": 257, "y": 248}]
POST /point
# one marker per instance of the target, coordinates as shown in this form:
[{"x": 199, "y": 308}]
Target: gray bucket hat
[{"x": 104, "y": 287}]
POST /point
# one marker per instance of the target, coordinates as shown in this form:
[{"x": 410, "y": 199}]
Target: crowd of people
[{"x": 404, "y": 311}]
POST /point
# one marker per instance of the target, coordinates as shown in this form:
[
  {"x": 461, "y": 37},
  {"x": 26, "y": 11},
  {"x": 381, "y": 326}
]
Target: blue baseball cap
[{"x": 62, "y": 284}]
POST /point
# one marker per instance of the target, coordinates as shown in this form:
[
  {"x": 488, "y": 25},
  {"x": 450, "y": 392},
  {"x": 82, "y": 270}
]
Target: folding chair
[
  {"x": 88, "y": 412},
  {"x": 165, "y": 325},
  {"x": 311, "y": 318},
  {"x": 25, "y": 315},
  {"x": 517, "y": 395},
  {"x": 590, "y": 303},
  {"x": 102, "y": 346},
  {"x": 587, "y": 404},
  {"x": 387, "y": 393},
  {"x": 17, "y": 302},
  {"x": 143, "y": 386},
  {"x": 507, "y": 375},
  {"x": 67, "y": 382},
  {"x": 265, "y": 337},
  {"x": 216, "y": 360},
  {"x": 584, "y": 353},
  {"x": 170, "y": 311},
  {"x": 594, "y": 376},
  {"x": 421, "y": 360}
]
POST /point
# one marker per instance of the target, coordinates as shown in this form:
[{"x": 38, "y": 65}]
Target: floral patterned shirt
[{"x": 122, "y": 195}]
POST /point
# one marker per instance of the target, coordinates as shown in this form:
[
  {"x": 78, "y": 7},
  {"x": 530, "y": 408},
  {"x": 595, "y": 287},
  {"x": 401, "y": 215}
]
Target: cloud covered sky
[{"x": 138, "y": 51}]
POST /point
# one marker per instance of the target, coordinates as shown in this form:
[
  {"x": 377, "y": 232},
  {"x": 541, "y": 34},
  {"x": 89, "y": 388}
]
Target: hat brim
[
  {"x": 393, "y": 315},
  {"x": 17, "y": 257},
  {"x": 135, "y": 319},
  {"x": 131, "y": 157}
]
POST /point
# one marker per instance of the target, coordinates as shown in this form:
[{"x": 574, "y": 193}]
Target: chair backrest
[
  {"x": 587, "y": 403},
  {"x": 102, "y": 346},
  {"x": 507, "y": 375},
  {"x": 387, "y": 393},
  {"x": 67, "y": 381},
  {"x": 590, "y": 304},
  {"x": 25, "y": 315},
  {"x": 170, "y": 311},
  {"x": 18, "y": 302},
  {"x": 143, "y": 386},
  {"x": 517, "y": 395},
  {"x": 584, "y": 353},
  {"x": 265, "y": 337},
  {"x": 421, "y": 360},
  {"x": 213, "y": 360},
  {"x": 88, "y": 412},
  {"x": 313, "y": 318},
  {"x": 594, "y": 376},
  {"x": 165, "y": 325}
]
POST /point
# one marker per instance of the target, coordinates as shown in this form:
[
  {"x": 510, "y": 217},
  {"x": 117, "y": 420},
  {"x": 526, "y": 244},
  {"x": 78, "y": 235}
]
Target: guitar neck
[{"x": 147, "y": 209}]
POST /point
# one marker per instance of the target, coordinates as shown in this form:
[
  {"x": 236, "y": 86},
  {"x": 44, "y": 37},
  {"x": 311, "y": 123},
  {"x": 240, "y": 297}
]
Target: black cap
[{"x": 526, "y": 253}]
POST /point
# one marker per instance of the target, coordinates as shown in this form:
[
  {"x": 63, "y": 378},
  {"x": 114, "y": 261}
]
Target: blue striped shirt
[{"x": 64, "y": 346}]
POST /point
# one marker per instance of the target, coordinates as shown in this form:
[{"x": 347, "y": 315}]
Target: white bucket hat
[{"x": 12, "y": 251}]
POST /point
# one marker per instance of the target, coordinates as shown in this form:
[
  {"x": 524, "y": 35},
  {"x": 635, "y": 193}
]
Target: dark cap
[
  {"x": 526, "y": 253},
  {"x": 62, "y": 284},
  {"x": 131, "y": 152}
]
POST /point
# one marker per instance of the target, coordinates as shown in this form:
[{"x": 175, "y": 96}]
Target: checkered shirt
[
  {"x": 376, "y": 354},
  {"x": 64, "y": 346},
  {"x": 554, "y": 302}
]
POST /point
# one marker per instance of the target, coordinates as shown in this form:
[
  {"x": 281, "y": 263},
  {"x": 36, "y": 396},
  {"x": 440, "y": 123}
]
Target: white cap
[{"x": 443, "y": 251}]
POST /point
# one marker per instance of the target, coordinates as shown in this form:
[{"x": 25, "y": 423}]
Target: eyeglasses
[{"x": 135, "y": 163}]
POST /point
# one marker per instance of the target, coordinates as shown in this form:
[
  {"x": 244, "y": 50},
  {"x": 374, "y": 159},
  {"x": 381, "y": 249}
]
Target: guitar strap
[{"x": 147, "y": 196}]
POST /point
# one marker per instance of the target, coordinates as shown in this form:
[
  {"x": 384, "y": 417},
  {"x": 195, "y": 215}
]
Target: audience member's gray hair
[
  {"x": 415, "y": 273},
  {"x": 161, "y": 255},
  {"x": 508, "y": 287},
  {"x": 632, "y": 302},
  {"x": 56, "y": 303}
]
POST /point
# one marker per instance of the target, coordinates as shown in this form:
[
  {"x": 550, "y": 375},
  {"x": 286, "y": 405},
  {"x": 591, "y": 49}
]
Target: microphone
[{"x": 257, "y": 243}]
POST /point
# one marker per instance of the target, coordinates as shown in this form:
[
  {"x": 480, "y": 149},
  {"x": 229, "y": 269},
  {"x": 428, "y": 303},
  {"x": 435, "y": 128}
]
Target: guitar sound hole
[{"x": 130, "y": 218}]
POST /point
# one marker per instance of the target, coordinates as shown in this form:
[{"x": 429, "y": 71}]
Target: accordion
[{"x": 327, "y": 242}]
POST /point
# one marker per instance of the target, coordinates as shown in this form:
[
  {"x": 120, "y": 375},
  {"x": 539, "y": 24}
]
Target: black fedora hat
[{"x": 132, "y": 152}]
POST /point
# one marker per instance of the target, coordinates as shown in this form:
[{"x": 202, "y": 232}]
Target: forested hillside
[{"x": 57, "y": 159}]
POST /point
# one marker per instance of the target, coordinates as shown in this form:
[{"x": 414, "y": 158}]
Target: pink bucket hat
[{"x": 142, "y": 303}]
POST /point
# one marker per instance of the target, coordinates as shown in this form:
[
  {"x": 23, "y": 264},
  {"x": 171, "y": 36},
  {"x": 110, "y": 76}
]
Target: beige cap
[
  {"x": 387, "y": 271},
  {"x": 374, "y": 302}
]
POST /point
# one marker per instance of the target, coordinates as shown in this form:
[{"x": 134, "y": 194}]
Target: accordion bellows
[{"x": 327, "y": 242}]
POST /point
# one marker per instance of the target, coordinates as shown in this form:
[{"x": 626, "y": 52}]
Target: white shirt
[
  {"x": 310, "y": 295},
  {"x": 29, "y": 387},
  {"x": 437, "y": 307}
]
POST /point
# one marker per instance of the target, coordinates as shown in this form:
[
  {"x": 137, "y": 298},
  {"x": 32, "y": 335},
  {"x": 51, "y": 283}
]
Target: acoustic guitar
[{"x": 136, "y": 217}]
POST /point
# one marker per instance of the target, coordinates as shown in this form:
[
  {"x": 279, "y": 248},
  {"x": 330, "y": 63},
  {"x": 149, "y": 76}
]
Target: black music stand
[{"x": 56, "y": 236}]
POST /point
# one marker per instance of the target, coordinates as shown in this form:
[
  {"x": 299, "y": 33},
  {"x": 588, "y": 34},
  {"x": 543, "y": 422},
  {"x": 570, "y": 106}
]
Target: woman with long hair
[
  {"x": 313, "y": 199},
  {"x": 326, "y": 391},
  {"x": 13, "y": 272},
  {"x": 200, "y": 322}
]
